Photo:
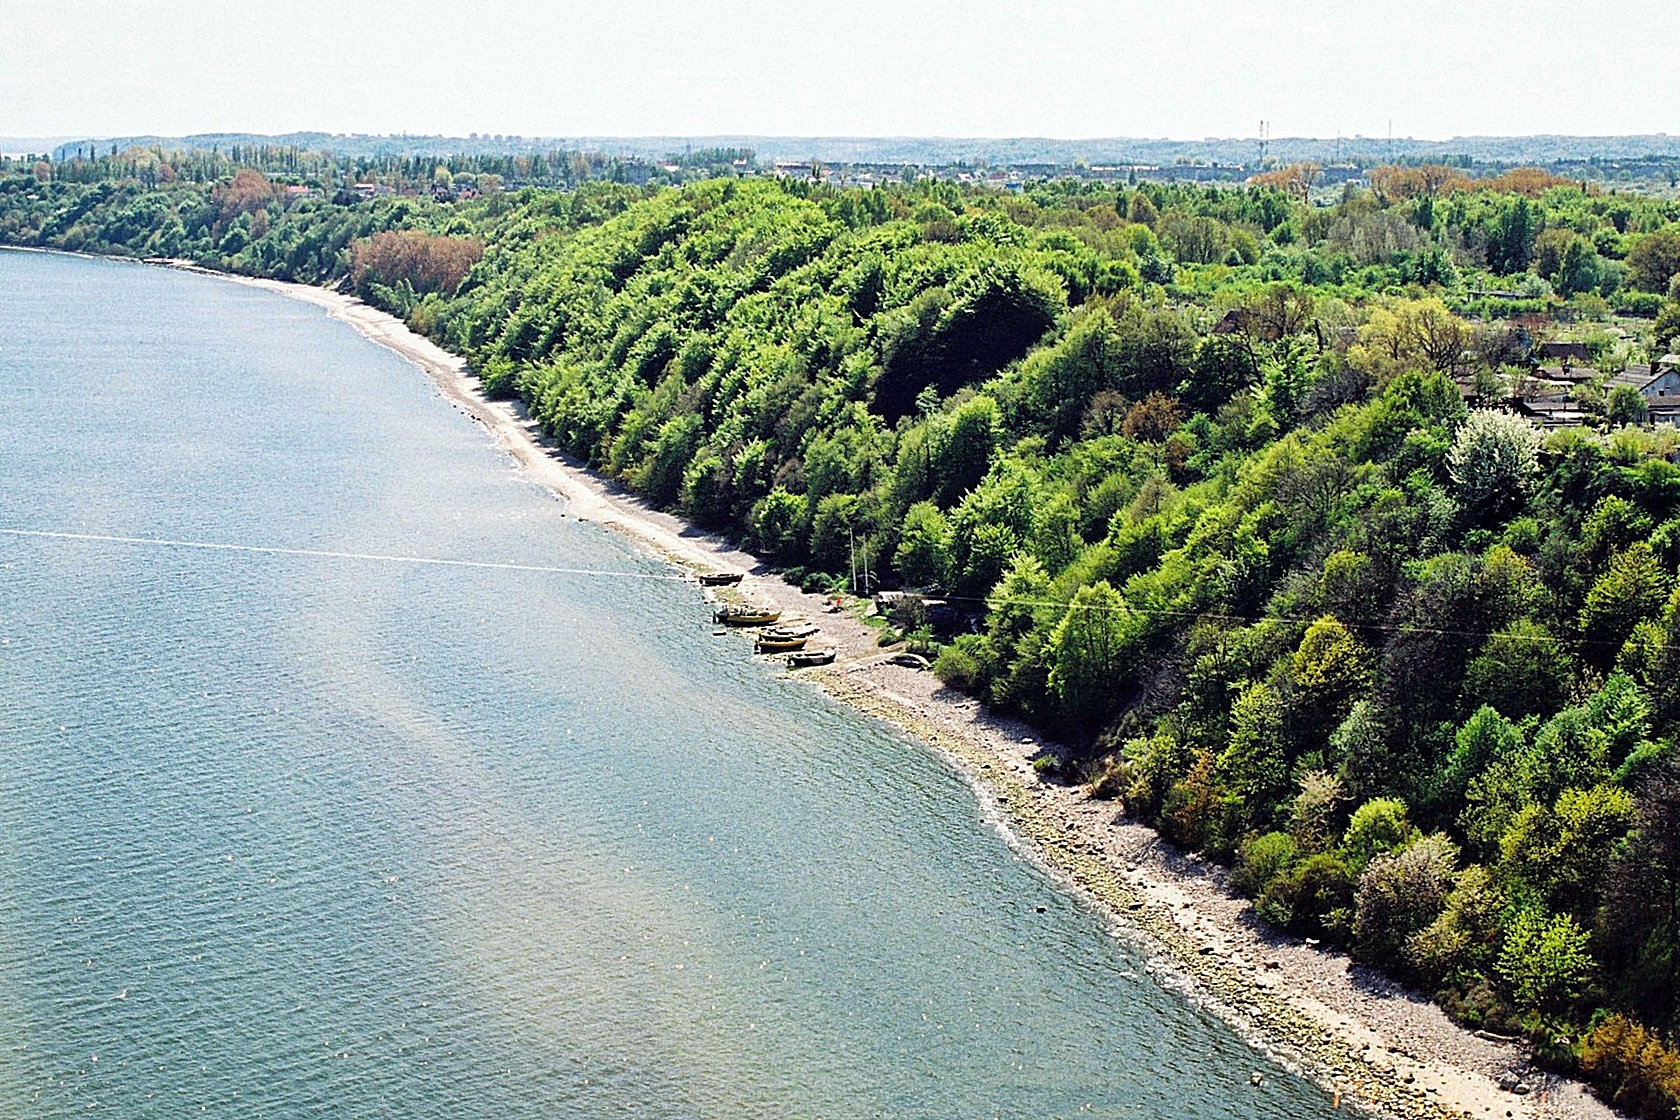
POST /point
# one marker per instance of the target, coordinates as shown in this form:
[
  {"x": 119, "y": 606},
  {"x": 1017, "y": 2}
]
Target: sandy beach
[{"x": 1369, "y": 1043}]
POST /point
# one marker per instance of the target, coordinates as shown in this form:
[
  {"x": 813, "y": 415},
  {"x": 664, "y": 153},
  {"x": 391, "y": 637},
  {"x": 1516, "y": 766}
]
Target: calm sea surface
[{"x": 288, "y": 835}]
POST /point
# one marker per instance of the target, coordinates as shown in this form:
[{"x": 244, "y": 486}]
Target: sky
[{"x": 982, "y": 68}]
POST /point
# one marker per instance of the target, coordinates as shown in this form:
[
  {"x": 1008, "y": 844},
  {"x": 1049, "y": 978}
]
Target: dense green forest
[{"x": 1200, "y": 469}]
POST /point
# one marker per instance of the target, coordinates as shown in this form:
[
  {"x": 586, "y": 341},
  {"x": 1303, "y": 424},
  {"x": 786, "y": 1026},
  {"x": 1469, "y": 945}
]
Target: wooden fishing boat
[
  {"x": 767, "y": 644},
  {"x": 805, "y": 658},
  {"x": 792, "y": 630},
  {"x": 719, "y": 579},
  {"x": 745, "y": 614}
]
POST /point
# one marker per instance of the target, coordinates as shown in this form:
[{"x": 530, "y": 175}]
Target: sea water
[{"x": 335, "y": 831}]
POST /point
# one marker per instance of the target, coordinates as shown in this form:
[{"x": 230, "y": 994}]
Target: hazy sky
[{"x": 825, "y": 67}]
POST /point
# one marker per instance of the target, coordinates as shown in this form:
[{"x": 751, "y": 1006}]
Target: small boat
[
  {"x": 767, "y": 644},
  {"x": 719, "y": 579},
  {"x": 805, "y": 658},
  {"x": 745, "y": 614},
  {"x": 792, "y": 630}
]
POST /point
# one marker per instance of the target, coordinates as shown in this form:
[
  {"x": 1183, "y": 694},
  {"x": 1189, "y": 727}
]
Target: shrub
[
  {"x": 1314, "y": 898},
  {"x": 960, "y": 664},
  {"x": 1401, "y": 893},
  {"x": 1633, "y": 1068},
  {"x": 1313, "y": 813},
  {"x": 1545, "y": 958},
  {"x": 1463, "y": 935},
  {"x": 1378, "y": 826},
  {"x": 1261, "y": 860}
]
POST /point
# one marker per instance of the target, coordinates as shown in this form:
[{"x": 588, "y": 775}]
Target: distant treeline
[
  {"x": 159, "y": 165},
  {"x": 1219, "y": 484},
  {"x": 1246, "y": 152}
]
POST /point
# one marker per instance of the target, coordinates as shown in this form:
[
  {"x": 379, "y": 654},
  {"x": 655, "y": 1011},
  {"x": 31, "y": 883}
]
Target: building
[
  {"x": 1565, "y": 353},
  {"x": 1656, "y": 383}
]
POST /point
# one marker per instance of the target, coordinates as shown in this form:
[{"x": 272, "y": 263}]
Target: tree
[
  {"x": 1296, "y": 180},
  {"x": 1521, "y": 670},
  {"x": 425, "y": 262},
  {"x": 1434, "y": 333},
  {"x": 1378, "y": 826},
  {"x": 1546, "y": 959},
  {"x": 1487, "y": 737},
  {"x": 1063, "y": 382},
  {"x": 1465, "y": 933},
  {"x": 1313, "y": 813},
  {"x": 1630, "y": 592},
  {"x": 1152, "y": 419},
  {"x": 1254, "y": 765},
  {"x": 1493, "y": 462},
  {"x": 1641, "y": 926},
  {"x": 1654, "y": 259},
  {"x": 1666, "y": 330},
  {"x": 1662, "y": 676},
  {"x": 1330, "y": 670},
  {"x": 1626, "y": 405},
  {"x": 1087, "y": 654},
  {"x": 965, "y": 453},
  {"x": 924, "y": 546},
  {"x": 1511, "y": 236},
  {"x": 780, "y": 524},
  {"x": 1563, "y": 850}
]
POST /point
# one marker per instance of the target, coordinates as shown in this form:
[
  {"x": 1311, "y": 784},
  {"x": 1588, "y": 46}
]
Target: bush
[
  {"x": 1314, "y": 898},
  {"x": 1400, "y": 894},
  {"x": 1632, "y": 1068},
  {"x": 1378, "y": 826},
  {"x": 1263, "y": 859},
  {"x": 960, "y": 664},
  {"x": 1644, "y": 305},
  {"x": 1545, "y": 958},
  {"x": 1462, "y": 937}
]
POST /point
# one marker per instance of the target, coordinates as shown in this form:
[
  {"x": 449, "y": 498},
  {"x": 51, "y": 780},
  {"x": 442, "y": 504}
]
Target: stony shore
[{"x": 1370, "y": 1044}]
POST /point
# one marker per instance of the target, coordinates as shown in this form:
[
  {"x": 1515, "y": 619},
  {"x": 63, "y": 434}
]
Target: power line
[
  {"x": 325, "y": 554},
  {"x": 993, "y": 602},
  {"x": 990, "y": 601}
]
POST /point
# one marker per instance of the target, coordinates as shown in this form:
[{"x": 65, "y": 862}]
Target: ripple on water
[{"x": 287, "y": 836}]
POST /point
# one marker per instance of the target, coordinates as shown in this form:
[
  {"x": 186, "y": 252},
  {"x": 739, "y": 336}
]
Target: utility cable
[{"x": 325, "y": 554}]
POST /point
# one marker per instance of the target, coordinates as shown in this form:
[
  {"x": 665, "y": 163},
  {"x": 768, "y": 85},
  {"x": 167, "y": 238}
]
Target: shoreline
[{"x": 1369, "y": 1043}]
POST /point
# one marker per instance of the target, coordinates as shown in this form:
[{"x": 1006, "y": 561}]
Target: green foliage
[
  {"x": 924, "y": 546},
  {"x": 1631, "y": 591},
  {"x": 1546, "y": 959},
  {"x": 1263, "y": 859},
  {"x": 1313, "y": 898},
  {"x": 1087, "y": 652},
  {"x": 1193, "y": 465},
  {"x": 1462, "y": 939},
  {"x": 1379, "y": 826}
]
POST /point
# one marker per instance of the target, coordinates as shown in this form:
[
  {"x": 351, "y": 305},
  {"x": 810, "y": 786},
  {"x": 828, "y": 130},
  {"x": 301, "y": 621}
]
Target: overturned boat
[{"x": 796, "y": 629}]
